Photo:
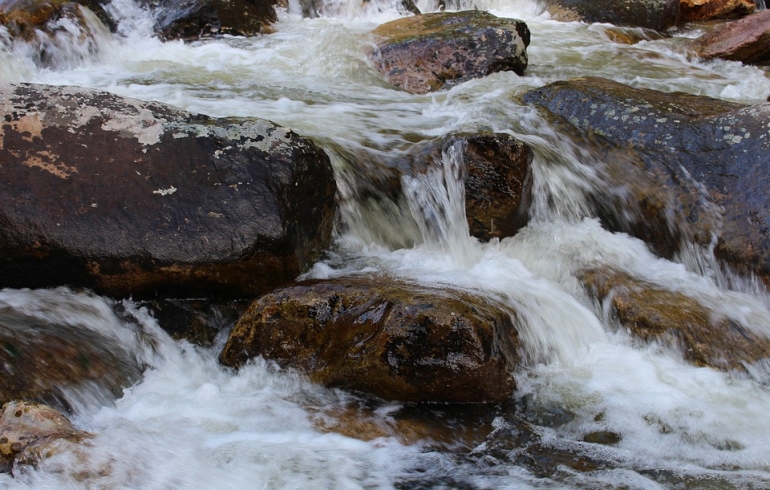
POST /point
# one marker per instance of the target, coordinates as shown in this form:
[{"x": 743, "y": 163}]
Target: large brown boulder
[
  {"x": 652, "y": 14},
  {"x": 694, "y": 10},
  {"x": 43, "y": 361},
  {"x": 393, "y": 339},
  {"x": 672, "y": 318},
  {"x": 675, "y": 166},
  {"x": 746, "y": 40},
  {"x": 425, "y": 53},
  {"x": 30, "y": 432},
  {"x": 138, "y": 198}
]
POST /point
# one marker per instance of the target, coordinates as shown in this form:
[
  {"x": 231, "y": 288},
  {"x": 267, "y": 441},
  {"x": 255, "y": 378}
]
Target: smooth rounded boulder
[
  {"x": 430, "y": 52},
  {"x": 141, "y": 199},
  {"x": 396, "y": 340},
  {"x": 676, "y": 167},
  {"x": 651, "y": 14}
]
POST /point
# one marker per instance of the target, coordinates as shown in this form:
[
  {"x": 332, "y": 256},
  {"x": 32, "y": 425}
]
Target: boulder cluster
[{"x": 143, "y": 200}]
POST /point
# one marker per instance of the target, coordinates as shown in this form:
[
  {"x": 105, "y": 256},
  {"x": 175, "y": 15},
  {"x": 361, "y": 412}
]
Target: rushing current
[{"x": 189, "y": 423}]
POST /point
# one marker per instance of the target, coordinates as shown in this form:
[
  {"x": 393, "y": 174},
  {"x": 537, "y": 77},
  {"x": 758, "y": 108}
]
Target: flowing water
[{"x": 190, "y": 423}]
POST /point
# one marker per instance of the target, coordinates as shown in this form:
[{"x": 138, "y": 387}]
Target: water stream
[{"x": 190, "y": 423}]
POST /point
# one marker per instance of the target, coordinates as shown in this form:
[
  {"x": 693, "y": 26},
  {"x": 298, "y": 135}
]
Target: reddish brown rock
[
  {"x": 138, "y": 198},
  {"x": 746, "y": 40},
  {"x": 30, "y": 432},
  {"x": 425, "y": 53},
  {"x": 695, "y": 10},
  {"x": 668, "y": 317},
  {"x": 376, "y": 335}
]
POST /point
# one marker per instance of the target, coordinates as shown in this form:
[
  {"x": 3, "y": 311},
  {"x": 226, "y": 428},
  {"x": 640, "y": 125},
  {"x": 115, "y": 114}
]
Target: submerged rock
[
  {"x": 46, "y": 362},
  {"x": 675, "y": 319},
  {"x": 694, "y": 10},
  {"x": 376, "y": 335},
  {"x": 139, "y": 198},
  {"x": 746, "y": 40},
  {"x": 652, "y": 14},
  {"x": 676, "y": 166},
  {"x": 30, "y": 432},
  {"x": 430, "y": 52}
]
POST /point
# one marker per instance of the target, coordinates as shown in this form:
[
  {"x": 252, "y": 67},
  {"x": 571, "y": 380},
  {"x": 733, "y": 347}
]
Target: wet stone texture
[
  {"x": 376, "y": 335},
  {"x": 42, "y": 361},
  {"x": 137, "y": 198},
  {"x": 194, "y": 19},
  {"x": 652, "y": 14},
  {"x": 695, "y": 10},
  {"x": 690, "y": 167},
  {"x": 30, "y": 432},
  {"x": 746, "y": 40},
  {"x": 429, "y": 52},
  {"x": 671, "y": 318}
]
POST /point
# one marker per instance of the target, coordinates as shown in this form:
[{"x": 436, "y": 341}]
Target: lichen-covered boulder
[
  {"x": 428, "y": 52},
  {"x": 376, "y": 335},
  {"x": 695, "y": 10},
  {"x": 30, "y": 432},
  {"x": 746, "y": 40},
  {"x": 652, "y": 14},
  {"x": 44, "y": 361},
  {"x": 675, "y": 166},
  {"x": 140, "y": 199},
  {"x": 672, "y": 318}
]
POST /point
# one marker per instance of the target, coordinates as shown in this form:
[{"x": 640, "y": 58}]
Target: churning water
[{"x": 191, "y": 424}]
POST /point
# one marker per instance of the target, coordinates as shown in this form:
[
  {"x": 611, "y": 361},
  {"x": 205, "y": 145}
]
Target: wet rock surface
[
  {"x": 495, "y": 172},
  {"x": 195, "y": 19},
  {"x": 686, "y": 166},
  {"x": 30, "y": 432},
  {"x": 376, "y": 335},
  {"x": 430, "y": 52},
  {"x": 197, "y": 321},
  {"x": 138, "y": 198},
  {"x": 45, "y": 361},
  {"x": 652, "y": 14},
  {"x": 671, "y": 318},
  {"x": 695, "y": 10},
  {"x": 50, "y": 28},
  {"x": 746, "y": 40}
]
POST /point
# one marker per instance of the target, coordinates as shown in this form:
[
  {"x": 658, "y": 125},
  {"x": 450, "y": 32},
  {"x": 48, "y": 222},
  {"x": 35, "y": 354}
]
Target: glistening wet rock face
[
  {"x": 377, "y": 335},
  {"x": 671, "y": 318},
  {"x": 194, "y": 19},
  {"x": 652, "y": 14},
  {"x": 137, "y": 198},
  {"x": 692, "y": 167},
  {"x": 746, "y": 40},
  {"x": 429, "y": 52},
  {"x": 694, "y": 10}
]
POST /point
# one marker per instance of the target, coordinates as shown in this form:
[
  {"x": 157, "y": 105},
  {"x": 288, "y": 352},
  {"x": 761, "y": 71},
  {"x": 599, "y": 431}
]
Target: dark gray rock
[
  {"x": 652, "y": 14},
  {"x": 137, "y": 198}
]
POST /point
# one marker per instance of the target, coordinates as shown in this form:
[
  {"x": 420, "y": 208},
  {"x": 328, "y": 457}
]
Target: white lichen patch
[
  {"x": 143, "y": 126},
  {"x": 165, "y": 192}
]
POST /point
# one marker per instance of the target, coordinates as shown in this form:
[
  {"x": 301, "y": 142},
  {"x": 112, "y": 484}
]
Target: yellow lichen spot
[{"x": 47, "y": 161}]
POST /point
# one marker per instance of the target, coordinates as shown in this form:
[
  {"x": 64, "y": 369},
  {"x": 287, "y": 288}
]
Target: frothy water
[{"x": 190, "y": 423}]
